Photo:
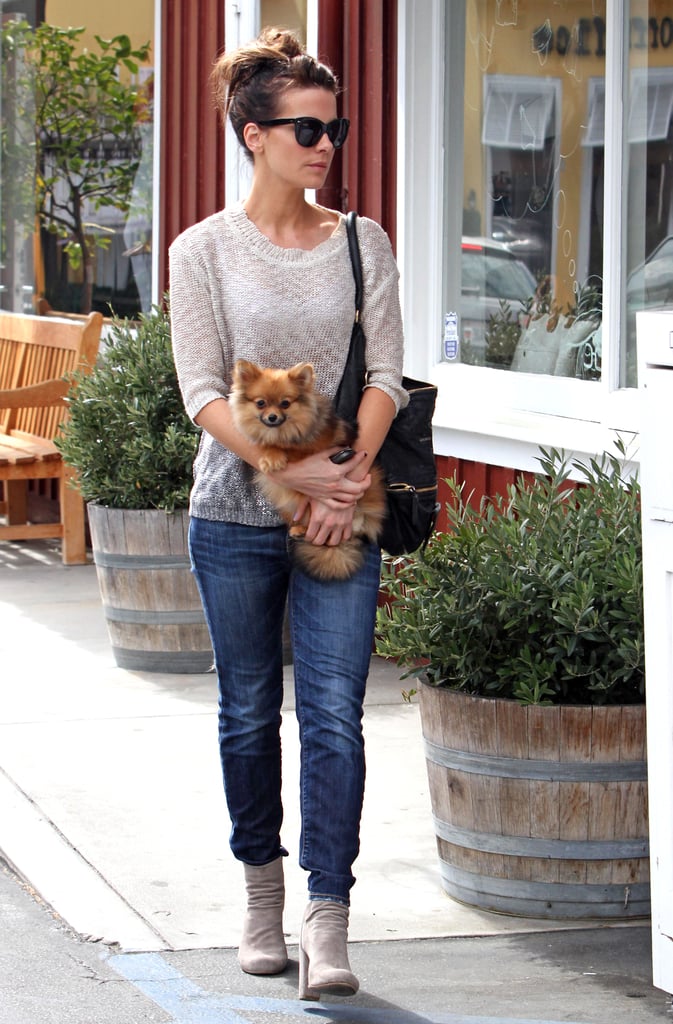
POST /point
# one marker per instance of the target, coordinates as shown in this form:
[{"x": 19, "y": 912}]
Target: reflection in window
[
  {"x": 533, "y": 187},
  {"x": 76, "y": 163},
  {"x": 648, "y": 273}
]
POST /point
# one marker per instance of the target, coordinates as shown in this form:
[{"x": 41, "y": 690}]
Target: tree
[{"x": 70, "y": 131}]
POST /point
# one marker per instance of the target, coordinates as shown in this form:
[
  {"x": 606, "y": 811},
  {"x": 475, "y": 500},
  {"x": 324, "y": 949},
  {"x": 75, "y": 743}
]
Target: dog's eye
[
  {"x": 285, "y": 404},
  {"x": 260, "y": 403}
]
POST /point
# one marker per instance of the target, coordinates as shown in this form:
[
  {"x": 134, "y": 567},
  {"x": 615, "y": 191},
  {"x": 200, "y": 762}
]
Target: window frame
[
  {"x": 494, "y": 416},
  {"x": 157, "y": 226}
]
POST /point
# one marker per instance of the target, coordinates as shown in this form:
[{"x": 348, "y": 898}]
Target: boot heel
[
  {"x": 323, "y": 954},
  {"x": 304, "y": 991}
]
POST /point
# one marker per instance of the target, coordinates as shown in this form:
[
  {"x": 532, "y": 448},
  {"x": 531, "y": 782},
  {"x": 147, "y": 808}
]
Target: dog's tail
[
  {"x": 342, "y": 561},
  {"x": 329, "y": 563}
]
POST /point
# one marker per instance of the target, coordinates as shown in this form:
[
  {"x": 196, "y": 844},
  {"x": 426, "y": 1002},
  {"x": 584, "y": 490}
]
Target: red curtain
[
  {"x": 192, "y": 138},
  {"x": 358, "y": 39}
]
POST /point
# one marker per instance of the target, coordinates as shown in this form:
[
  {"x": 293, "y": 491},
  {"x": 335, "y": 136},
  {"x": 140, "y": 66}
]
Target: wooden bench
[{"x": 36, "y": 354}]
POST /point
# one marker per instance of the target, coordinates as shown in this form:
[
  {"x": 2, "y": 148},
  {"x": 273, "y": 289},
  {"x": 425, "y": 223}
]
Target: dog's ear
[
  {"x": 245, "y": 372},
  {"x": 303, "y": 374}
]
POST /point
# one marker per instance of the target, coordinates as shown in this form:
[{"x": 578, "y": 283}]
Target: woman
[{"x": 270, "y": 280}]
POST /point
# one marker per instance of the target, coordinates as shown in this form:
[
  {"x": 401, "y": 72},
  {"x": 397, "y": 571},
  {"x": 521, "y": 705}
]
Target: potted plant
[
  {"x": 524, "y": 624},
  {"x": 132, "y": 446}
]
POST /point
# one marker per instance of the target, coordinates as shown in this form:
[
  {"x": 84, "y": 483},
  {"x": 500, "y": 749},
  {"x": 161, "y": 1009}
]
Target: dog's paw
[
  {"x": 271, "y": 462},
  {"x": 297, "y": 531}
]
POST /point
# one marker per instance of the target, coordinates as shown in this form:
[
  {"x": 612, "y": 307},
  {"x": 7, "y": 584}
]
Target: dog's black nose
[{"x": 273, "y": 419}]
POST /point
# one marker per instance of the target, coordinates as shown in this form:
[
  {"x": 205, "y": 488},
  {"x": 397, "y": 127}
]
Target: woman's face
[{"x": 280, "y": 153}]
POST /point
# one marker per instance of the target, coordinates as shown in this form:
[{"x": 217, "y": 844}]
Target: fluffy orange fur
[{"x": 282, "y": 413}]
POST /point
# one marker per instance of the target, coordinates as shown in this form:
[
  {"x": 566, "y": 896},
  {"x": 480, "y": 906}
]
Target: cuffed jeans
[{"x": 245, "y": 577}]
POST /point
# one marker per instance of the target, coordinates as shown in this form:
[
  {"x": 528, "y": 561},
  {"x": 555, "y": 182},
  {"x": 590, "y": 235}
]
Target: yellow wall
[
  {"x": 285, "y": 14},
  {"x": 134, "y": 18},
  {"x": 500, "y": 41}
]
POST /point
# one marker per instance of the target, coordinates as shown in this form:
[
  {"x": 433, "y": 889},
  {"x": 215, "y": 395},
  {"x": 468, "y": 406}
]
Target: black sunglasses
[{"x": 308, "y": 131}]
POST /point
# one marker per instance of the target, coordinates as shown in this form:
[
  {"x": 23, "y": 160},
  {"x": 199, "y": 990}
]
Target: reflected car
[
  {"x": 649, "y": 286},
  {"x": 526, "y": 240},
  {"x": 490, "y": 273}
]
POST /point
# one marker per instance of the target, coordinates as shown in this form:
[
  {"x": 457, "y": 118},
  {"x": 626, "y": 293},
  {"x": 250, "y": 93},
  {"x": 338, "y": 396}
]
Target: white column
[{"x": 655, "y": 350}]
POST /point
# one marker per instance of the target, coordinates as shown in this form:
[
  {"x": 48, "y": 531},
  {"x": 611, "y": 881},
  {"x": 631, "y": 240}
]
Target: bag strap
[{"x": 354, "y": 249}]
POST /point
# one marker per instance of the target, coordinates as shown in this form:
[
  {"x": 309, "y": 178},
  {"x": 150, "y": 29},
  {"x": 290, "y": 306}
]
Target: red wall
[
  {"x": 358, "y": 39},
  {"x": 192, "y": 149}
]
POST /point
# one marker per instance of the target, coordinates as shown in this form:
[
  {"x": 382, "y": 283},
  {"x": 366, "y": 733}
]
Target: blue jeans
[{"x": 245, "y": 578}]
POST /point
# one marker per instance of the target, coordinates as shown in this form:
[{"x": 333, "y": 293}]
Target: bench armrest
[{"x": 47, "y": 392}]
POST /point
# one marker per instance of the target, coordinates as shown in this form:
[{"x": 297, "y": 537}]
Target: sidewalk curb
[{"x": 35, "y": 849}]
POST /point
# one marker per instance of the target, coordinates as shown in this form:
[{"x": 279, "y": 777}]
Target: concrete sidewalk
[{"x": 111, "y": 803}]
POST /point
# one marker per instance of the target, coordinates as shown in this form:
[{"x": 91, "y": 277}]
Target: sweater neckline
[{"x": 277, "y": 253}]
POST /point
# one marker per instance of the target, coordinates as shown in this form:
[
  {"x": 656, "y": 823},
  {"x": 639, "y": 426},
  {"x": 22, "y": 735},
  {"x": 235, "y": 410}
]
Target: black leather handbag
[{"x": 406, "y": 456}]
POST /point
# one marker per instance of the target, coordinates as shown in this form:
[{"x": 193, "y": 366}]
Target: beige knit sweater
[{"x": 234, "y": 294}]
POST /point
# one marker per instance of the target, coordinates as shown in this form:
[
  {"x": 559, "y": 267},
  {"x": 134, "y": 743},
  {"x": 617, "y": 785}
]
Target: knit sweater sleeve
[
  {"x": 381, "y": 315},
  {"x": 201, "y": 347}
]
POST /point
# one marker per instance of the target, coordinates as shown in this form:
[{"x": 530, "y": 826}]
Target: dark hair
[{"x": 247, "y": 81}]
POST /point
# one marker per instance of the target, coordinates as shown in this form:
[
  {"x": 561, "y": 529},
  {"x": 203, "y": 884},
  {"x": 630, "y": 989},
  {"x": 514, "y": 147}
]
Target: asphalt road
[{"x": 48, "y": 975}]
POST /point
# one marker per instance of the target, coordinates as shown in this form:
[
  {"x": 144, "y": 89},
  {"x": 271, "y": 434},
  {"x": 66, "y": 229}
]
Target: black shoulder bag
[{"x": 406, "y": 456}]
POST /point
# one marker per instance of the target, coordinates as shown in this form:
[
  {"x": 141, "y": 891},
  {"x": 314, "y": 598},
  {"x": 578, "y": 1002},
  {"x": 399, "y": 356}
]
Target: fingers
[
  {"x": 301, "y": 510},
  {"x": 342, "y": 484},
  {"x": 329, "y": 525}
]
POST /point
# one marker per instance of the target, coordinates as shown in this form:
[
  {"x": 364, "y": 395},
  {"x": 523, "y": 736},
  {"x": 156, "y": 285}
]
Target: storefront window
[
  {"x": 76, "y": 160},
  {"x": 532, "y": 246},
  {"x": 534, "y": 195}
]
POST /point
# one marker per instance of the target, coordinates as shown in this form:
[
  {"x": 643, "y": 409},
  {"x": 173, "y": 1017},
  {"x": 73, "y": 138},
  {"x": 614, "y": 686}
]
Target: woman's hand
[
  {"x": 319, "y": 478},
  {"x": 328, "y": 525},
  {"x": 330, "y": 492}
]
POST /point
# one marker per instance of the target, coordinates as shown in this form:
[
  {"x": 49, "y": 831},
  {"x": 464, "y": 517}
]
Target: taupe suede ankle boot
[
  {"x": 262, "y": 949},
  {"x": 323, "y": 952}
]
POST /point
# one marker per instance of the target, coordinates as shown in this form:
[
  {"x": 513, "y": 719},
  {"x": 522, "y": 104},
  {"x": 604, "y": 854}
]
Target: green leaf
[{"x": 534, "y": 596}]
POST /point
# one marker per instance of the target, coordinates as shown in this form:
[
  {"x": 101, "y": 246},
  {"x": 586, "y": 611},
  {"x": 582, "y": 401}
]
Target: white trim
[
  {"x": 241, "y": 24},
  {"x": 156, "y": 154},
  {"x": 420, "y": 165},
  {"x": 312, "y": 27},
  {"x": 615, "y": 194},
  {"x": 488, "y": 415},
  {"x": 655, "y": 352},
  {"x": 312, "y": 48}
]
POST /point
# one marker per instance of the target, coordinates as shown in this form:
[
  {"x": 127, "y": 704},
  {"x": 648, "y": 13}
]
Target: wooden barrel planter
[
  {"x": 539, "y": 811},
  {"x": 151, "y": 602}
]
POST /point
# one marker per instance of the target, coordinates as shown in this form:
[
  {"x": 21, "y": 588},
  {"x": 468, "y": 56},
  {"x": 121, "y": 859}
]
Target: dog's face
[{"x": 273, "y": 406}]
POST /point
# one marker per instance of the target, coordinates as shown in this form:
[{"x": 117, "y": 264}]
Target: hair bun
[
  {"x": 247, "y": 81},
  {"x": 281, "y": 42}
]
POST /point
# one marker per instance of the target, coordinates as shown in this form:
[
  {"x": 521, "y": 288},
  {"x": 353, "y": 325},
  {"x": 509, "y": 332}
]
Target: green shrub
[
  {"x": 128, "y": 435},
  {"x": 536, "y": 597}
]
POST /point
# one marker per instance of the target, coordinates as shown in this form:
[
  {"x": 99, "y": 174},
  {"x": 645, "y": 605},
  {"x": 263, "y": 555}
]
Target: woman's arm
[
  {"x": 375, "y": 415},
  {"x": 315, "y": 476},
  {"x": 329, "y": 525}
]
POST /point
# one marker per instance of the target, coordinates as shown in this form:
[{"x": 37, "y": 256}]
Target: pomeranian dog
[{"x": 281, "y": 412}]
